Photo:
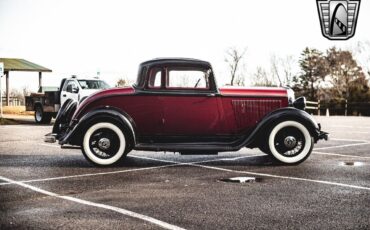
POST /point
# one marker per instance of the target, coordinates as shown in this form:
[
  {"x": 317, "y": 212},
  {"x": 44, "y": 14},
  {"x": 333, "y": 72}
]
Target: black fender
[
  {"x": 120, "y": 118},
  {"x": 279, "y": 115},
  {"x": 64, "y": 116},
  {"x": 37, "y": 103}
]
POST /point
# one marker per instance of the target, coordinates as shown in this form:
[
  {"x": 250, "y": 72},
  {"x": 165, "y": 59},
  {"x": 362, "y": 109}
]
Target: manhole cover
[
  {"x": 241, "y": 179},
  {"x": 350, "y": 163}
]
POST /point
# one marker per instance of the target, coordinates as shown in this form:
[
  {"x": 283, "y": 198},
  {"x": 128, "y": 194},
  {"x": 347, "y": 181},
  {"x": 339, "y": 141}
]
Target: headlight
[
  {"x": 300, "y": 103},
  {"x": 291, "y": 96}
]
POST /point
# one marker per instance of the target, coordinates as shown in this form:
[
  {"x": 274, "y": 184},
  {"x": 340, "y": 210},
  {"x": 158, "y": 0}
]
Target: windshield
[{"x": 93, "y": 84}]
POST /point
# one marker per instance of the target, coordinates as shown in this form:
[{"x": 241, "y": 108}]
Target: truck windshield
[{"x": 93, "y": 84}]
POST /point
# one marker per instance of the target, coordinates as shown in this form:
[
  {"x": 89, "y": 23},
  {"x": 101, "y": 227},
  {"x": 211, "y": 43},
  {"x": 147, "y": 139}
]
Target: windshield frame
[{"x": 103, "y": 84}]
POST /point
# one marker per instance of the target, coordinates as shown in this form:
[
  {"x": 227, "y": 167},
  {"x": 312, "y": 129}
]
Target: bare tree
[
  {"x": 234, "y": 59},
  {"x": 275, "y": 69},
  {"x": 282, "y": 69},
  {"x": 261, "y": 78},
  {"x": 361, "y": 52},
  {"x": 26, "y": 91}
]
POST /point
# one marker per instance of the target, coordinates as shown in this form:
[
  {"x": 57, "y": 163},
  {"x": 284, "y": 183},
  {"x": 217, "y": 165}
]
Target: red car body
[
  {"x": 163, "y": 117},
  {"x": 192, "y": 115}
]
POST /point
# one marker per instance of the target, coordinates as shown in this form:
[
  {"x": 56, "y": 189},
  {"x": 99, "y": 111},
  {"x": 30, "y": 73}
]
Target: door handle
[
  {"x": 211, "y": 95},
  {"x": 64, "y": 95}
]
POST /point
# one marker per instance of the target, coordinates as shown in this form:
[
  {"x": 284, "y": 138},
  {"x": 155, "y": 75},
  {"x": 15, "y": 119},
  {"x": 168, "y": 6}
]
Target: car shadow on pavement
[
  {"x": 77, "y": 161},
  {"x": 68, "y": 161}
]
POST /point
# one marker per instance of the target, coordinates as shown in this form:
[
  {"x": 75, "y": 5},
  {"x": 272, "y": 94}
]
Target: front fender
[
  {"x": 271, "y": 119},
  {"x": 77, "y": 128}
]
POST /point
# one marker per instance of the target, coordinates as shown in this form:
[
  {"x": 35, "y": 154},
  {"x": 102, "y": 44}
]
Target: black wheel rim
[
  {"x": 289, "y": 141},
  {"x": 104, "y": 143}
]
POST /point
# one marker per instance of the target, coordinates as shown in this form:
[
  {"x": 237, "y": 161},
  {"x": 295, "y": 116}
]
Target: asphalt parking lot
[{"x": 43, "y": 186}]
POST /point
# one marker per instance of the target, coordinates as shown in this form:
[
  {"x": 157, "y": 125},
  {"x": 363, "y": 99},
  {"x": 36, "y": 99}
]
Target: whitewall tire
[
  {"x": 104, "y": 144},
  {"x": 290, "y": 142}
]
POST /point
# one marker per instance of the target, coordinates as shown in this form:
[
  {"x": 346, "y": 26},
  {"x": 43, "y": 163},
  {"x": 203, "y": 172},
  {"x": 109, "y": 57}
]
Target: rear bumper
[{"x": 50, "y": 138}]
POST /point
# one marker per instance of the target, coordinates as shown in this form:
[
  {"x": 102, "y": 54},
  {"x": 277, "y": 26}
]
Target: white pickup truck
[{"x": 46, "y": 103}]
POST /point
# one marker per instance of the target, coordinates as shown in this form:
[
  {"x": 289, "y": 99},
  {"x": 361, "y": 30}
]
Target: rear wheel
[
  {"x": 41, "y": 117},
  {"x": 290, "y": 142},
  {"x": 104, "y": 144}
]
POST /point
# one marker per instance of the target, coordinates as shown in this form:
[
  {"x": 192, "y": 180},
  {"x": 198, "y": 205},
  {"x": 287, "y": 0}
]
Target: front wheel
[
  {"x": 104, "y": 144},
  {"x": 290, "y": 142}
]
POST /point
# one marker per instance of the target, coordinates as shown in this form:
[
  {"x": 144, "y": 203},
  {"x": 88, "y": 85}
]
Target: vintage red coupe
[{"x": 175, "y": 105}]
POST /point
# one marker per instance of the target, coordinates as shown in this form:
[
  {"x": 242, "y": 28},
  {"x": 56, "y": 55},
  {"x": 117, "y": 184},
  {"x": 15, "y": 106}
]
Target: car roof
[{"x": 161, "y": 61}]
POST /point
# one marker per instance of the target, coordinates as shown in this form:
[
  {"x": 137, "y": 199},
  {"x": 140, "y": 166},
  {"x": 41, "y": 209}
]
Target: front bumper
[{"x": 321, "y": 135}]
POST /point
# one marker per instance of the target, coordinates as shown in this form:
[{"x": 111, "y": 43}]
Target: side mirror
[
  {"x": 300, "y": 103},
  {"x": 75, "y": 89}
]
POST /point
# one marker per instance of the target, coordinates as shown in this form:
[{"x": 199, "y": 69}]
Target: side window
[
  {"x": 155, "y": 78},
  {"x": 71, "y": 86},
  {"x": 188, "y": 79},
  {"x": 66, "y": 85}
]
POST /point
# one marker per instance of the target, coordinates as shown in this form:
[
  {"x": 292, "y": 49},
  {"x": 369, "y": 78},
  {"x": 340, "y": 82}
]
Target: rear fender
[
  {"x": 105, "y": 114},
  {"x": 64, "y": 116},
  {"x": 37, "y": 104}
]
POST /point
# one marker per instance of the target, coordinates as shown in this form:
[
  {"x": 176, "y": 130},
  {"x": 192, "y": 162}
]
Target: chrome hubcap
[
  {"x": 290, "y": 142},
  {"x": 38, "y": 115},
  {"x": 104, "y": 143}
]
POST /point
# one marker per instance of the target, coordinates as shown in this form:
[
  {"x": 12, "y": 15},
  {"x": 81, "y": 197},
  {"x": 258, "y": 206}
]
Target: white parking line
[
  {"x": 195, "y": 164},
  {"x": 342, "y": 146},
  {"x": 349, "y": 140},
  {"x": 360, "y": 132},
  {"x": 97, "y": 205},
  {"x": 171, "y": 164},
  {"x": 348, "y": 126},
  {"x": 90, "y": 174},
  {"x": 17, "y": 141},
  {"x": 50, "y": 145},
  {"x": 340, "y": 155}
]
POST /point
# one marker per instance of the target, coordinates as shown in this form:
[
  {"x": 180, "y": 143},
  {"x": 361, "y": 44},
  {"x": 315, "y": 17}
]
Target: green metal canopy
[{"x": 16, "y": 64}]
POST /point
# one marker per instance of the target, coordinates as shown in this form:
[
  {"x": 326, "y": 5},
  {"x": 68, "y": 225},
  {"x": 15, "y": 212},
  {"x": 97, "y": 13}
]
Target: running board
[{"x": 185, "y": 148}]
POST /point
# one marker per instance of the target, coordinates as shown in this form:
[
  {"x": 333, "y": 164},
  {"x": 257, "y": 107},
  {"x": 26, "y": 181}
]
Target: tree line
[{"x": 332, "y": 76}]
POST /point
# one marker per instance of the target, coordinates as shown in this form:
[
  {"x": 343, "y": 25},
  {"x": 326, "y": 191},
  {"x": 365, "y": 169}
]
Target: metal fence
[
  {"x": 341, "y": 108},
  {"x": 313, "y": 106},
  {"x": 13, "y": 101}
]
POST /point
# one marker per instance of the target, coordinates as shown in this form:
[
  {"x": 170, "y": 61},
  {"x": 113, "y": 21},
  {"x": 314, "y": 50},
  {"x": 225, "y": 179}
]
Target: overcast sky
[{"x": 113, "y": 37}]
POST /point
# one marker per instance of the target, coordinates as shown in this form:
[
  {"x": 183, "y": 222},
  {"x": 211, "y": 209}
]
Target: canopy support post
[
  {"x": 40, "y": 79},
  {"x": 7, "y": 88}
]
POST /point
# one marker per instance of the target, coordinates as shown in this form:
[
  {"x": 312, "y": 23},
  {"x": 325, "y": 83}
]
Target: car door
[
  {"x": 190, "y": 106},
  {"x": 147, "y": 108},
  {"x": 64, "y": 95},
  {"x": 70, "y": 91}
]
